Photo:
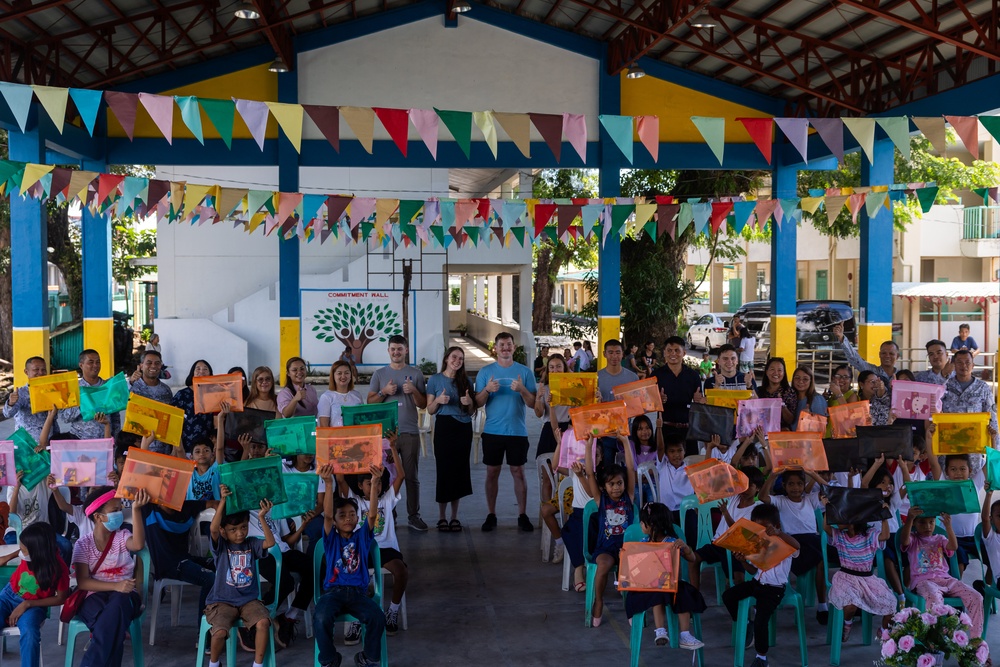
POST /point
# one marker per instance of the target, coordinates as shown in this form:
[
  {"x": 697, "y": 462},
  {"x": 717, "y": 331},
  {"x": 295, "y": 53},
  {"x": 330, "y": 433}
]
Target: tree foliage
[{"x": 357, "y": 326}]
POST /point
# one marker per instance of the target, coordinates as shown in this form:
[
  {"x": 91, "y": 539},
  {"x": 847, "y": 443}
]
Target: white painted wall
[{"x": 222, "y": 349}]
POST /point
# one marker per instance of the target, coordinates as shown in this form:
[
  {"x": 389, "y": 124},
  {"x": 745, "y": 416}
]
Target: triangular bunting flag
[
  {"x": 543, "y": 213},
  {"x": 619, "y": 214},
  {"x": 797, "y": 132},
  {"x": 897, "y": 128},
  {"x": 790, "y": 212},
  {"x": 327, "y": 121},
  {"x": 18, "y": 98},
  {"x": 426, "y": 122},
  {"x": 648, "y": 129},
  {"x": 519, "y": 233},
  {"x": 992, "y": 125},
  {"x": 743, "y": 212},
  {"x": 619, "y": 128},
  {"x": 863, "y": 130},
  {"x": 764, "y": 209},
  {"x": 54, "y": 101},
  {"x": 666, "y": 219},
  {"x": 408, "y": 209},
  {"x": 60, "y": 180},
  {"x": 575, "y": 127},
  {"x": 79, "y": 184},
  {"x": 397, "y": 123},
  {"x": 132, "y": 189},
  {"x": 967, "y": 128},
  {"x": 589, "y": 215},
  {"x": 514, "y": 210},
  {"x": 335, "y": 207},
  {"x": 465, "y": 212},
  {"x": 447, "y": 212},
  {"x": 473, "y": 233},
  {"x": 926, "y": 197},
  {"x": 643, "y": 214},
  {"x": 107, "y": 184},
  {"x": 518, "y": 128},
  {"x": 459, "y": 123},
  {"x": 854, "y": 203},
  {"x": 254, "y": 115},
  {"x": 484, "y": 121},
  {"x": 834, "y": 204},
  {"x": 32, "y": 174},
  {"x": 191, "y": 115},
  {"x": 289, "y": 117},
  {"x": 222, "y": 115},
  {"x": 550, "y": 126},
  {"x": 362, "y": 208},
  {"x": 831, "y": 131},
  {"x": 720, "y": 211},
  {"x": 124, "y": 106},
  {"x": 256, "y": 199},
  {"x": 565, "y": 215},
  {"x": 934, "y": 129},
  {"x": 229, "y": 199},
  {"x": 194, "y": 195},
  {"x": 702, "y": 212},
  {"x": 810, "y": 204},
  {"x": 361, "y": 120},
  {"x": 161, "y": 109},
  {"x": 88, "y": 103},
  {"x": 384, "y": 208},
  {"x": 713, "y": 130},
  {"x": 685, "y": 216},
  {"x": 760, "y": 130},
  {"x": 438, "y": 233},
  {"x": 874, "y": 201}
]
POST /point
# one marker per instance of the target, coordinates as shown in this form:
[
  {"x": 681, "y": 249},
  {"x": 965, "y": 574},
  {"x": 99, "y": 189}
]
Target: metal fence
[{"x": 981, "y": 222}]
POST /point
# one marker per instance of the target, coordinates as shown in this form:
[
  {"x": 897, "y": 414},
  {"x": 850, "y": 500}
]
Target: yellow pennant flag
[
  {"x": 256, "y": 220},
  {"x": 384, "y": 208},
  {"x": 33, "y": 173},
  {"x": 289, "y": 117},
  {"x": 643, "y": 212},
  {"x": 810, "y": 204},
  {"x": 54, "y": 102},
  {"x": 194, "y": 194},
  {"x": 484, "y": 121},
  {"x": 361, "y": 120}
]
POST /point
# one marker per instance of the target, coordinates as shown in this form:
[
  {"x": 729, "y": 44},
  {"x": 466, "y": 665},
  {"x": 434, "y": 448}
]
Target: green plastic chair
[
  {"x": 231, "y": 647},
  {"x": 918, "y": 601},
  {"x": 705, "y": 535},
  {"x": 588, "y": 558},
  {"x": 319, "y": 575},
  {"x": 77, "y": 627},
  {"x": 792, "y": 599},
  {"x": 990, "y": 591}
]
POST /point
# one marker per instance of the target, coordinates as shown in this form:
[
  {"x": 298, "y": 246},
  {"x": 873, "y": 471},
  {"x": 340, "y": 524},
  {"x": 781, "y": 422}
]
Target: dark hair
[
  {"x": 958, "y": 353},
  {"x": 844, "y": 367},
  {"x": 648, "y": 343},
  {"x": 462, "y": 384},
  {"x": 674, "y": 441},
  {"x": 578, "y": 345},
  {"x": 935, "y": 341},
  {"x": 919, "y": 444},
  {"x": 246, "y": 389},
  {"x": 861, "y": 528},
  {"x": 890, "y": 342},
  {"x": 955, "y": 457},
  {"x": 203, "y": 440},
  {"x": 85, "y": 353},
  {"x": 613, "y": 343},
  {"x": 964, "y": 325},
  {"x": 787, "y": 474},
  {"x": 610, "y": 471},
  {"x": 905, "y": 374},
  {"x": 545, "y": 368},
  {"x": 189, "y": 380},
  {"x": 125, "y": 440},
  {"x": 726, "y": 348},
  {"x": 121, "y": 451},
  {"x": 745, "y": 333},
  {"x": 40, "y": 540},
  {"x": 754, "y": 475},
  {"x": 235, "y": 518},
  {"x": 340, "y": 501},
  {"x": 784, "y": 374},
  {"x": 642, "y": 419},
  {"x": 766, "y": 512},
  {"x": 674, "y": 340},
  {"x": 657, "y": 517},
  {"x": 502, "y": 335},
  {"x": 355, "y": 482},
  {"x": 811, "y": 390},
  {"x": 31, "y": 359},
  {"x": 149, "y": 353},
  {"x": 879, "y": 475},
  {"x": 288, "y": 365},
  {"x": 397, "y": 340},
  {"x": 93, "y": 495},
  {"x": 333, "y": 369}
]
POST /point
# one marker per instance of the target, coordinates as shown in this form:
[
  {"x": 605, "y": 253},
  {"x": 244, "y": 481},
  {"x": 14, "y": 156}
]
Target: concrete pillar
[
  {"x": 783, "y": 271},
  {"x": 480, "y": 294},
  {"x": 507, "y": 300},
  {"x": 289, "y": 307},
  {"x": 875, "y": 274},
  {"x": 524, "y": 319},
  {"x": 491, "y": 297},
  {"x": 609, "y": 296},
  {"x": 525, "y": 183},
  {"x": 468, "y": 292},
  {"x": 98, "y": 324},
  {"x": 715, "y": 288}
]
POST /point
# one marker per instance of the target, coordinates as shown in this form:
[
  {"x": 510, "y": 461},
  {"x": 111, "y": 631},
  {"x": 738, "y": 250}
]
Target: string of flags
[
  {"x": 554, "y": 129},
  {"x": 437, "y": 222}
]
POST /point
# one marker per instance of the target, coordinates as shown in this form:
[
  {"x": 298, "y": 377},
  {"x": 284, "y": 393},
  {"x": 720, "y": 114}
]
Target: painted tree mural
[{"x": 357, "y": 326}]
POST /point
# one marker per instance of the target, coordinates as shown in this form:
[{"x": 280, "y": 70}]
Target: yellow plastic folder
[
  {"x": 811, "y": 423},
  {"x": 59, "y": 390},
  {"x": 751, "y": 539},
  {"x": 640, "y": 397},
  {"x": 728, "y": 398},
  {"x": 649, "y": 566},
  {"x": 144, "y": 415},
  {"x": 165, "y": 478},
  {"x": 609, "y": 418},
  {"x": 845, "y": 419},
  {"x": 713, "y": 479},
  {"x": 960, "y": 432},
  {"x": 351, "y": 449},
  {"x": 210, "y": 391},
  {"x": 793, "y": 449},
  {"x": 573, "y": 389}
]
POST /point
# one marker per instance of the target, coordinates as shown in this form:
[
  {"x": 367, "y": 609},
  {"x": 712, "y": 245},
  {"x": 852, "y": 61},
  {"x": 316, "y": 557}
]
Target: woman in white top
[
  {"x": 747, "y": 345},
  {"x": 341, "y": 393}
]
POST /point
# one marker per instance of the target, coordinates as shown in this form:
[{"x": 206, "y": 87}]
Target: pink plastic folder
[
  {"x": 650, "y": 566},
  {"x": 8, "y": 465},
  {"x": 811, "y": 423},
  {"x": 754, "y": 412},
  {"x": 916, "y": 400},
  {"x": 572, "y": 450},
  {"x": 165, "y": 478},
  {"x": 82, "y": 462}
]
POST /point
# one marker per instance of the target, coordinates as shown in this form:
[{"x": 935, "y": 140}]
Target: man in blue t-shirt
[
  {"x": 506, "y": 388},
  {"x": 963, "y": 341}
]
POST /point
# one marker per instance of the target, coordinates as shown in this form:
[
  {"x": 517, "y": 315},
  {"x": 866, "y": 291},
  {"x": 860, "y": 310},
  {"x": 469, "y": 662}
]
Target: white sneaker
[
  {"x": 661, "y": 638},
  {"x": 559, "y": 553},
  {"x": 691, "y": 643}
]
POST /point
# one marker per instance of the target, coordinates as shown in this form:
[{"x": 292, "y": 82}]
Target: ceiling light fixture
[
  {"x": 278, "y": 66},
  {"x": 246, "y": 10},
  {"x": 461, "y": 6},
  {"x": 703, "y": 20},
  {"x": 635, "y": 72}
]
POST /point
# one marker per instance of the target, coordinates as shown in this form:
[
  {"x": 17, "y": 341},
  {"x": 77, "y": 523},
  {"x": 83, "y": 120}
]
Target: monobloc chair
[
  {"x": 564, "y": 485},
  {"x": 591, "y": 565},
  {"x": 690, "y": 503},
  {"x": 835, "y": 624},
  {"x": 791, "y": 599},
  {"x": 990, "y": 591},
  {"x": 231, "y": 648},
  {"x": 918, "y": 601},
  {"x": 543, "y": 464},
  {"x": 648, "y": 475},
  {"x": 77, "y": 627}
]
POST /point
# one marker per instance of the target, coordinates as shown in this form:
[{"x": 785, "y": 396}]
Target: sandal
[
  {"x": 442, "y": 525},
  {"x": 455, "y": 526},
  {"x": 580, "y": 586}
]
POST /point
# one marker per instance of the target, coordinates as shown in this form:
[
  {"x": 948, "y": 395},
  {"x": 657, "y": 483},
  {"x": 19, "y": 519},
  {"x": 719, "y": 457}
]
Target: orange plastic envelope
[
  {"x": 713, "y": 479},
  {"x": 59, "y": 390},
  {"x": 165, "y": 478},
  {"x": 640, "y": 397},
  {"x": 845, "y": 419},
  {"x": 573, "y": 389},
  {"x": 649, "y": 566},
  {"x": 599, "y": 419},
  {"x": 811, "y": 423},
  {"x": 751, "y": 539},
  {"x": 144, "y": 415},
  {"x": 793, "y": 449},
  {"x": 210, "y": 391},
  {"x": 350, "y": 449}
]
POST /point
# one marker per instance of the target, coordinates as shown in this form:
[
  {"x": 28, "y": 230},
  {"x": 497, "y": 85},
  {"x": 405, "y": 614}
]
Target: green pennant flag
[
  {"x": 222, "y": 113},
  {"x": 898, "y": 130},
  {"x": 619, "y": 214},
  {"x": 650, "y": 229},
  {"x": 459, "y": 123},
  {"x": 438, "y": 232},
  {"x": 473, "y": 233},
  {"x": 408, "y": 209},
  {"x": 926, "y": 197},
  {"x": 992, "y": 125},
  {"x": 408, "y": 230},
  {"x": 366, "y": 230},
  {"x": 552, "y": 233},
  {"x": 518, "y": 234},
  {"x": 982, "y": 192}
]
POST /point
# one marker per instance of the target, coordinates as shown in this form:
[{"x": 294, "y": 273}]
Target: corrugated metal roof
[{"x": 948, "y": 292}]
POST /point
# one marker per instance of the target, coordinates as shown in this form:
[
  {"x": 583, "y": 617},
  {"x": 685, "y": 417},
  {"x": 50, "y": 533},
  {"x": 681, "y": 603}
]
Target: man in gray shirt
[
  {"x": 18, "y": 404},
  {"x": 405, "y": 385},
  {"x": 609, "y": 377},
  {"x": 90, "y": 376},
  {"x": 146, "y": 382},
  {"x": 937, "y": 358}
]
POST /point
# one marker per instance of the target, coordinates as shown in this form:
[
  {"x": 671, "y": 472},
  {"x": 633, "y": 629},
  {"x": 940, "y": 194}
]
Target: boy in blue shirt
[{"x": 345, "y": 581}]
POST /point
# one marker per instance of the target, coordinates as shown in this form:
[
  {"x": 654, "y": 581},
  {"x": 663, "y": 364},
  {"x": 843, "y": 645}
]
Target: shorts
[
  {"x": 711, "y": 553},
  {"x": 966, "y": 548},
  {"x": 497, "y": 447},
  {"x": 389, "y": 555},
  {"x": 223, "y": 616},
  {"x": 567, "y": 498}
]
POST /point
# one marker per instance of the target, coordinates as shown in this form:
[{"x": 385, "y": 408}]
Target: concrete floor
[{"x": 487, "y": 599}]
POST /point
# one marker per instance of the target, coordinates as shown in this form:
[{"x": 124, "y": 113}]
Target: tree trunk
[
  {"x": 66, "y": 256},
  {"x": 541, "y": 310},
  {"x": 6, "y": 296}
]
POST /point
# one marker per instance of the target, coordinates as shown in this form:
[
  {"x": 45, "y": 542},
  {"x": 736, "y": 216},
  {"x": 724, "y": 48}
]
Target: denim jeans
[
  {"x": 351, "y": 600},
  {"x": 30, "y": 625},
  {"x": 64, "y": 546},
  {"x": 193, "y": 572}
]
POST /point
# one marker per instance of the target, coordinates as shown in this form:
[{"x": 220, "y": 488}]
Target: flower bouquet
[{"x": 926, "y": 639}]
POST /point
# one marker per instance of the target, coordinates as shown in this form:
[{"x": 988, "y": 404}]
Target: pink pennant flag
[
  {"x": 426, "y": 122},
  {"x": 797, "y": 131},
  {"x": 361, "y": 209},
  {"x": 854, "y": 204},
  {"x": 765, "y": 209},
  {"x": 465, "y": 211},
  {"x": 575, "y": 129},
  {"x": 161, "y": 109},
  {"x": 255, "y": 115},
  {"x": 287, "y": 203},
  {"x": 967, "y": 128},
  {"x": 124, "y": 106},
  {"x": 648, "y": 129}
]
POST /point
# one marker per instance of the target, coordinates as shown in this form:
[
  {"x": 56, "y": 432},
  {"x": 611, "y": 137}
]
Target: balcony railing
[{"x": 981, "y": 222}]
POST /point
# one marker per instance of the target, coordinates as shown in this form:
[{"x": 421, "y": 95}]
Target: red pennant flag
[
  {"x": 484, "y": 209},
  {"x": 967, "y": 128},
  {"x": 666, "y": 217},
  {"x": 124, "y": 106},
  {"x": 550, "y": 126},
  {"x": 762, "y": 133},
  {"x": 335, "y": 207},
  {"x": 565, "y": 215},
  {"x": 720, "y": 209},
  {"x": 664, "y": 199},
  {"x": 543, "y": 213},
  {"x": 327, "y": 120},
  {"x": 397, "y": 123},
  {"x": 106, "y": 184}
]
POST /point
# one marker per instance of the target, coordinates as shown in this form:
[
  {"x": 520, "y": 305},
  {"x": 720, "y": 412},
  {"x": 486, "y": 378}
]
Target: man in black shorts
[{"x": 506, "y": 388}]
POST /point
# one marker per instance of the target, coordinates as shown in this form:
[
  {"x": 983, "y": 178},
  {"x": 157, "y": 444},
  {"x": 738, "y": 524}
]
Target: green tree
[
  {"x": 550, "y": 256},
  {"x": 357, "y": 326}
]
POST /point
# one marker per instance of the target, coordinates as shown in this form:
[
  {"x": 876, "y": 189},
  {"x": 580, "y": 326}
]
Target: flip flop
[
  {"x": 580, "y": 586},
  {"x": 455, "y": 526},
  {"x": 442, "y": 525}
]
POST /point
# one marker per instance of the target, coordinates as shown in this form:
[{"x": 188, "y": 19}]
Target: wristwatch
[{"x": 380, "y": 394}]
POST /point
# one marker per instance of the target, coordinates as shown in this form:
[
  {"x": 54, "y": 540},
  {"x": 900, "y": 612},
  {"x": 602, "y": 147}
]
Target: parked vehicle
[
  {"x": 813, "y": 323},
  {"x": 709, "y": 331}
]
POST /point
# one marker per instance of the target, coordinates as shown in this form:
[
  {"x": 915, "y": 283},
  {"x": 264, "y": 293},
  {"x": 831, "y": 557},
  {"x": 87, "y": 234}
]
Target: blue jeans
[
  {"x": 30, "y": 625},
  {"x": 193, "y": 572},
  {"x": 64, "y": 546},
  {"x": 351, "y": 600},
  {"x": 108, "y": 615}
]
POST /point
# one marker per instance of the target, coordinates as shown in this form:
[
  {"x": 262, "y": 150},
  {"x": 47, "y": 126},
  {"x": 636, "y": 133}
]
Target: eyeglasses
[
  {"x": 264, "y": 380},
  {"x": 842, "y": 377}
]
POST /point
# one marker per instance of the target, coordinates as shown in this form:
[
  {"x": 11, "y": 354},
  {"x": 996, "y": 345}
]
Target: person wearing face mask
[
  {"x": 90, "y": 376},
  {"x": 105, "y": 568},
  {"x": 937, "y": 357},
  {"x": 18, "y": 403},
  {"x": 145, "y": 382},
  {"x": 888, "y": 355},
  {"x": 297, "y": 398}
]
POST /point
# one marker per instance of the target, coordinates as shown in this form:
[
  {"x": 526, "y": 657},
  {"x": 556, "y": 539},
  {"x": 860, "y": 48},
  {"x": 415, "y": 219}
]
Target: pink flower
[
  {"x": 964, "y": 619},
  {"x": 901, "y": 616},
  {"x": 925, "y": 660},
  {"x": 884, "y": 635},
  {"x": 983, "y": 653},
  {"x": 942, "y": 610},
  {"x": 888, "y": 648},
  {"x": 928, "y": 619},
  {"x": 961, "y": 638},
  {"x": 906, "y": 643}
]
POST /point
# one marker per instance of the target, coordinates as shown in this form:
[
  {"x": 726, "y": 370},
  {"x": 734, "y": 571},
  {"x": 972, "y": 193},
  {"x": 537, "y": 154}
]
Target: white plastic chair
[
  {"x": 425, "y": 425},
  {"x": 15, "y": 632},
  {"x": 543, "y": 463},
  {"x": 198, "y": 543},
  {"x": 176, "y": 587},
  {"x": 478, "y": 424},
  {"x": 649, "y": 473},
  {"x": 564, "y": 485}
]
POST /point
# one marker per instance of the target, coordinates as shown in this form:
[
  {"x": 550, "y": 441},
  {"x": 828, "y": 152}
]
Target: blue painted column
[
  {"x": 609, "y": 296},
  {"x": 875, "y": 279},
  {"x": 28, "y": 263},
  {"x": 784, "y": 258},
  {"x": 98, "y": 325},
  {"x": 289, "y": 306}
]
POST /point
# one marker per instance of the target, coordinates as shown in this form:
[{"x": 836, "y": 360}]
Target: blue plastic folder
[{"x": 944, "y": 497}]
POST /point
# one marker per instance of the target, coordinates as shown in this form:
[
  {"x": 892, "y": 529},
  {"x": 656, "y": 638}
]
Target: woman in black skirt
[{"x": 451, "y": 399}]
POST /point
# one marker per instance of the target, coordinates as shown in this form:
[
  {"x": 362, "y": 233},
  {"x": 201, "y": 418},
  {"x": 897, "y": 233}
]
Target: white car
[{"x": 709, "y": 331}]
